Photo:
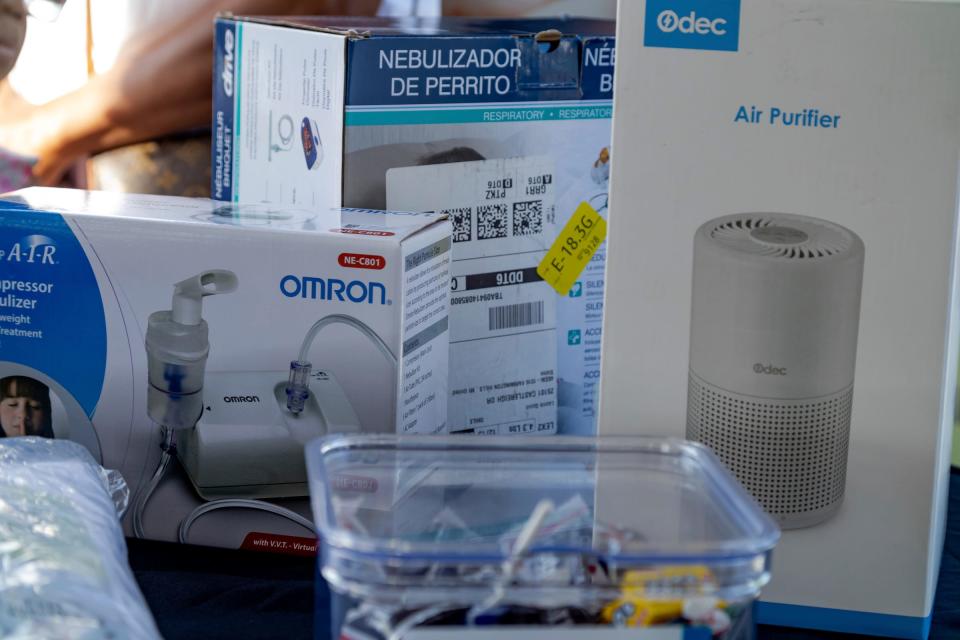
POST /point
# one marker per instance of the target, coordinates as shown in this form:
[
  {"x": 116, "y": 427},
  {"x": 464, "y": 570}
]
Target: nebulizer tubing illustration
[
  {"x": 298, "y": 385},
  {"x": 168, "y": 451},
  {"x": 285, "y": 132},
  {"x": 177, "y": 347},
  {"x": 599, "y": 202}
]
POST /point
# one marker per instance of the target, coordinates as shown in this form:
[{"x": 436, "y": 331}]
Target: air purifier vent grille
[
  {"x": 790, "y": 454},
  {"x": 780, "y": 236}
]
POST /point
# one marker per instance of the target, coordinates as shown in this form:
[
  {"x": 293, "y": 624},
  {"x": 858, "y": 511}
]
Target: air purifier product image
[{"x": 773, "y": 342}]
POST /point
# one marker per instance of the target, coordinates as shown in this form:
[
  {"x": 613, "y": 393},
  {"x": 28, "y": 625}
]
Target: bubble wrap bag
[{"x": 63, "y": 559}]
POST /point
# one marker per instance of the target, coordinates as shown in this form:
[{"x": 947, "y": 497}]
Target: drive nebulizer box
[
  {"x": 782, "y": 281},
  {"x": 213, "y": 341},
  {"x": 503, "y": 125}
]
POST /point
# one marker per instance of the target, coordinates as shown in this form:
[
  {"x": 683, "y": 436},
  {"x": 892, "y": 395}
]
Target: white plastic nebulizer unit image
[
  {"x": 773, "y": 343},
  {"x": 238, "y": 434}
]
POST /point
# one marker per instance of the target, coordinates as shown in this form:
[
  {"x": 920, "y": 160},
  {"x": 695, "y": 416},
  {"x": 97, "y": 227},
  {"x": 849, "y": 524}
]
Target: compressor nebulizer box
[{"x": 228, "y": 335}]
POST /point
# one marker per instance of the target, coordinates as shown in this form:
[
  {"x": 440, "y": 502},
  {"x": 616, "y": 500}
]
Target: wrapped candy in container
[{"x": 456, "y": 537}]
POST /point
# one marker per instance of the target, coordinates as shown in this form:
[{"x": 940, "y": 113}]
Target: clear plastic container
[{"x": 457, "y": 537}]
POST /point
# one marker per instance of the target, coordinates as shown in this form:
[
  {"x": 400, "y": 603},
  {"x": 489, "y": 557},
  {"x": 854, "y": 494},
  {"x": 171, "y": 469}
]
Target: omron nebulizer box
[
  {"x": 782, "y": 282},
  {"x": 503, "y": 125},
  {"x": 196, "y": 346}
]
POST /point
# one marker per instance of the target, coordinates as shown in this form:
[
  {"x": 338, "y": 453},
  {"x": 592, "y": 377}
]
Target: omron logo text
[
  {"x": 241, "y": 398},
  {"x": 333, "y": 289}
]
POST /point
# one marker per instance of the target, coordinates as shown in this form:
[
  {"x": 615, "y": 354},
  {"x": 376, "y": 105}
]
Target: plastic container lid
[{"x": 401, "y": 512}]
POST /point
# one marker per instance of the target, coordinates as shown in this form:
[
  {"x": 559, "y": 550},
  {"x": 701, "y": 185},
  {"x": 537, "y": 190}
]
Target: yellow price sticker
[{"x": 572, "y": 250}]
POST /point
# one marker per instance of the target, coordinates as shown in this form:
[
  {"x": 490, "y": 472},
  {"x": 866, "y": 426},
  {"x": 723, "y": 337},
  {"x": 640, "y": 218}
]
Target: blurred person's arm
[
  {"x": 160, "y": 84},
  {"x": 10, "y": 101}
]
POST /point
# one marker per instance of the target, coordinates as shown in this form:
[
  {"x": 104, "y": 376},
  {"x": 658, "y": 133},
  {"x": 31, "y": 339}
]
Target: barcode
[
  {"x": 491, "y": 221},
  {"x": 516, "y": 315},
  {"x": 462, "y": 218},
  {"x": 528, "y": 218}
]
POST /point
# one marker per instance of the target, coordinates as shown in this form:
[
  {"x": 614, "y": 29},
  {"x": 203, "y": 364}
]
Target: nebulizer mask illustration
[
  {"x": 600, "y": 171},
  {"x": 239, "y": 435},
  {"x": 600, "y": 174}
]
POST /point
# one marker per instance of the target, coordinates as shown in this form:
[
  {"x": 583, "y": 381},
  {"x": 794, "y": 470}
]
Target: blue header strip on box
[
  {"x": 596, "y": 81},
  {"x": 875, "y": 624},
  {"x": 459, "y": 70}
]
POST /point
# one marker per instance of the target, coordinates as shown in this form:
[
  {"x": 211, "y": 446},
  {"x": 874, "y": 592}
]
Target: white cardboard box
[
  {"x": 106, "y": 306},
  {"x": 847, "y": 111}
]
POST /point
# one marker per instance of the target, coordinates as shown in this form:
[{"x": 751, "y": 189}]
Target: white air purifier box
[
  {"x": 197, "y": 346},
  {"x": 781, "y": 280}
]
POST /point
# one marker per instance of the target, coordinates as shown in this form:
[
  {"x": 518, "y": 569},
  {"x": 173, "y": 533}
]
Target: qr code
[
  {"x": 528, "y": 218},
  {"x": 491, "y": 221},
  {"x": 462, "y": 219}
]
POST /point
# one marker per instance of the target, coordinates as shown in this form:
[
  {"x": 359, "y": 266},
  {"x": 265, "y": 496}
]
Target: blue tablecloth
[{"x": 198, "y": 592}]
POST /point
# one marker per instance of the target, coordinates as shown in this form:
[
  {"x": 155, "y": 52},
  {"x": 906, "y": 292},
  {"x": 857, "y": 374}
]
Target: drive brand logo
[
  {"x": 227, "y": 75},
  {"x": 34, "y": 249},
  {"x": 769, "y": 370},
  {"x": 713, "y": 25}
]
